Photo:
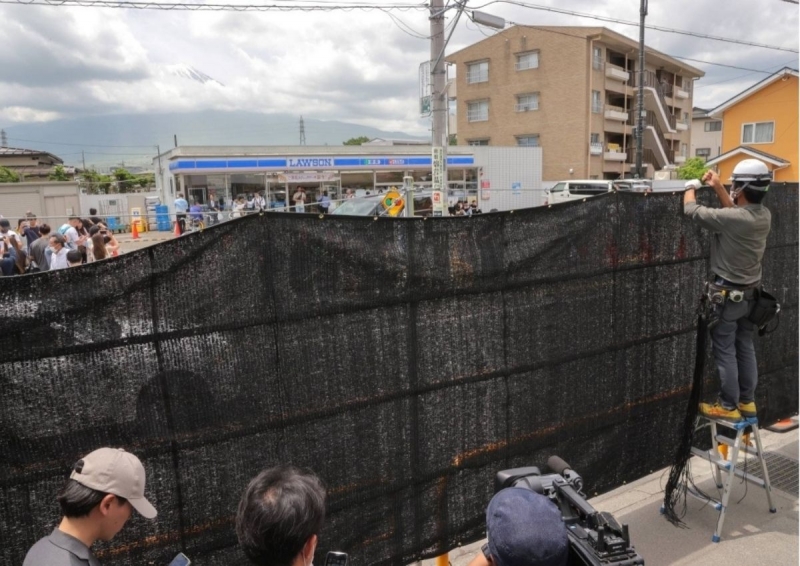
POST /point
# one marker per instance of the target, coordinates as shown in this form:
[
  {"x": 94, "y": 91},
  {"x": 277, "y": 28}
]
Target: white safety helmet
[{"x": 751, "y": 174}]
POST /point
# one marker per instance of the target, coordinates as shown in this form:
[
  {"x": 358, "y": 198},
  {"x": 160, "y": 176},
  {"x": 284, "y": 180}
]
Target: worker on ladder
[{"x": 740, "y": 230}]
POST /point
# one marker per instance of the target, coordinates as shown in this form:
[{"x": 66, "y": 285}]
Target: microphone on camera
[{"x": 561, "y": 468}]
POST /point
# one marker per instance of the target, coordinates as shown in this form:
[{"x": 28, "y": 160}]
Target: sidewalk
[{"x": 751, "y": 534}]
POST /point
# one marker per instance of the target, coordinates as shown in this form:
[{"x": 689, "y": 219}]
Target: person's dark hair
[
  {"x": 99, "y": 247},
  {"x": 93, "y": 212},
  {"x": 280, "y": 510},
  {"x": 94, "y": 230},
  {"x": 44, "y": 229},
  {"x": 74, "y": 218},
  {"x": 59, "y": 238},
  {"x": 754, "y": 196},
  {"x": 4, "y": 223},
  {"x": 77, "y": 500},
  {"x": 74, "y": 256}
]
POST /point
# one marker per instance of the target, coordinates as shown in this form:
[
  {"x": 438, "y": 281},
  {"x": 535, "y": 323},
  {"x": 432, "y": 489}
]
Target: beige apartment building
[{"x": 572, "y": 91}]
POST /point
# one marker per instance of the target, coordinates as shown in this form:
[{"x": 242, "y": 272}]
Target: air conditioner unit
[{"x": 661, "y": 176}]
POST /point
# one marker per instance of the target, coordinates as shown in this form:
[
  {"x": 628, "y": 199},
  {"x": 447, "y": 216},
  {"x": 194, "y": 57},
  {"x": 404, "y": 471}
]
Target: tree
[
  {"x": 693, "y": 168},
  {"x": 8, "y": 176},
  {"x": 126, "y": 181},
  {"x": 59, "y": 174},
  {"x": 356, "y": 141},
  {"x": 96, "y": 183}
]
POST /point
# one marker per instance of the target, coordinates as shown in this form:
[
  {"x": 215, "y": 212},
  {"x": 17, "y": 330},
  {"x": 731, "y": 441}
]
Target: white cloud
[{"x": 349, "y": 66}]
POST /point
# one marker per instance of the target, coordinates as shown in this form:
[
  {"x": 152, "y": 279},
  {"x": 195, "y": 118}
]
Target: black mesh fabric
[{"x": 403, "y": 360}]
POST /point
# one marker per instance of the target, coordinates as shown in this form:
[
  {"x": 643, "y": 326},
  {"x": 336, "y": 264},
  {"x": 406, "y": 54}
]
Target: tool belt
[{"x": 764, "y": 308}]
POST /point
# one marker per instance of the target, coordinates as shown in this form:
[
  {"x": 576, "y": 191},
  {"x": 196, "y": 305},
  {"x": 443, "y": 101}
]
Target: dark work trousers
[{"x": 732, "y": 340}]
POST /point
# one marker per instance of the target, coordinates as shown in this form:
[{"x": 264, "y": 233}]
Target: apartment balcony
[
  {"x": 617, "y": 73},
  {"x": 682, "y": 94},
  {"x": 655, "y": 102},
  {"x": 616, "y": 113},
  {"x": 595, "y": 148},
  {"x": 614, "y": 153},
  {"x": 682, "y": 126}
]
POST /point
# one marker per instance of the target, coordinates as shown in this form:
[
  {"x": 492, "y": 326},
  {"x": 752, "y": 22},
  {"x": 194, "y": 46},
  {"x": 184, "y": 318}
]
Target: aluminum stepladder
[{"x": 729, "y": 467}]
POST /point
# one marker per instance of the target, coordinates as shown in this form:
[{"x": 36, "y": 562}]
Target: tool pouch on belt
[{"x": 765, "y": 308}]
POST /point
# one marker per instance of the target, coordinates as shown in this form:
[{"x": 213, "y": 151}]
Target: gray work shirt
[
  {"x": 59, "y": 549},
  {"x": 740, "y": 237}
]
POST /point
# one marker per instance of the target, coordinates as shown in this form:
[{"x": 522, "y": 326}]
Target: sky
[{"x": 356, "y": 66}]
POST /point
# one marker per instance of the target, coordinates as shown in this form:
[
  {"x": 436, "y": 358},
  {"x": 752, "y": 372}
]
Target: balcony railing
[
  {"x": 616, "y": 113},
  {"x": 597, "y": 63},
  {"x": 617, "y": 73},
  {"x": 597, "y": 107},
  {"x": 651, "y": 120},
  {"x": 648, "y": 156},
  {"x": 526, "y": 107},
  {"x": 595, "y": 148}
]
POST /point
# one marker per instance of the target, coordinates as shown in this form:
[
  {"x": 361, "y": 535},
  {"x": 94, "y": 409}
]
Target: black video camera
[{"x": 595, "y": 538}]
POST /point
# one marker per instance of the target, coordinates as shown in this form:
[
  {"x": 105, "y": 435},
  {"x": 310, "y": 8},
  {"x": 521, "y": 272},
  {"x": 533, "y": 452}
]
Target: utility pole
[
  {"x": 438, "y": 76},
  {"x": 640, "y": 94},
  {"x": 83, "y": 158},
  {"x": 3, "y": 139},
  {"x": 302, "y": 131}
]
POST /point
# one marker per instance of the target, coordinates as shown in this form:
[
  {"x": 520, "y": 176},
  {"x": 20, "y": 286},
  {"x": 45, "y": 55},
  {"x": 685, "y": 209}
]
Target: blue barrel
[
  {"x": 112, "y": 223},
  {"x": 163, "y": 223}
]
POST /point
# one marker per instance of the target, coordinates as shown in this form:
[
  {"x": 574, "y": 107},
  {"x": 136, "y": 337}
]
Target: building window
[
  {"x": 478, "y": 72},
  {"x": 713, "y": 126},
  {"x": 527, "y": 61},
  {"x": 484, "y": 141},
  {"x": 758, "y": 132},
  {"x": 684, "y": 149},
  {"x": 527, "y": 102},
  {"x": 704, "y": 152},
  {"x": 595, "y": 138},
  {"x": 528, "y": 141},
  {"x": 597, "y": 58},
  {"x": 478, "y": 111},
  {"x": 597, "y": 105}
]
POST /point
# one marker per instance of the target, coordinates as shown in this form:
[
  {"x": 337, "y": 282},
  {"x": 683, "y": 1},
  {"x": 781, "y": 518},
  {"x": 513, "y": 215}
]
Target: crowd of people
[
  {"x": 35, "y": 247},
  {"x": 279, "y": 517}
]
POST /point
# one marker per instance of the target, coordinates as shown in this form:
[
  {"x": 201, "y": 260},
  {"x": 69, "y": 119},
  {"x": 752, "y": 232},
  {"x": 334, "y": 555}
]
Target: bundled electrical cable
[{"x": 680, "y": 473}]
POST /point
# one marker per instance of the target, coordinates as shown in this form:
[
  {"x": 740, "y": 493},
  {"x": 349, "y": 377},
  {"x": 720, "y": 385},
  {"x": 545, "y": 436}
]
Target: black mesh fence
[{"x": 404, "y": 360}]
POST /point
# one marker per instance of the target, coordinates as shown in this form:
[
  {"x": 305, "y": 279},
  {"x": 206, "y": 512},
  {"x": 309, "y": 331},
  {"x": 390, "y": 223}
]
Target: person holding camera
[
  {"x": 280, "y": 516},
  {"x": 523, "y": 528},
  {"x": 740, "y": 230},
  {"x": 97, "y": 500}
]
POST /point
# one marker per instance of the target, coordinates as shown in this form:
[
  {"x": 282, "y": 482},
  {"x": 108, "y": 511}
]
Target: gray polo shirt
[
  {"x": 59, "y": 549},
  {"x": 739, "y": 239}
]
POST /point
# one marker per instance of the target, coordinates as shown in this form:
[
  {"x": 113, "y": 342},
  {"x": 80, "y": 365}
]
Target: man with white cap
[{"x": 96, "y": 502}]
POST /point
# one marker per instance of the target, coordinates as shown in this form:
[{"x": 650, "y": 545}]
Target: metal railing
[
  {"x": 651, "y": 120},
  {"x": 477, "y": 77},
  {"x": 651, "y": 81}
]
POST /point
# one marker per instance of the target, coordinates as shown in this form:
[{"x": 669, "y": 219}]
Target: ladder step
[
  {"x": 730, "y": 442},
  {"x": 715, "y": 502},
  {"x": 726, "y": 467}
]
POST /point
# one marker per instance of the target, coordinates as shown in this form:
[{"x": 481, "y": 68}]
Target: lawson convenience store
[{"x": 275, "y": 172}]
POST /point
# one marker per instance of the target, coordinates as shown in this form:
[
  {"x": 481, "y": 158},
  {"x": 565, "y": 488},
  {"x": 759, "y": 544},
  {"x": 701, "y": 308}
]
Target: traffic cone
[
  {"x": 177, "y": 228},
  {"x": 135, "y": 230}
]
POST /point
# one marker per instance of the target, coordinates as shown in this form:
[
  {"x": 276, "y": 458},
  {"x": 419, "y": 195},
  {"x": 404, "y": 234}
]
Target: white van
[{"x": 574, "y": 190}]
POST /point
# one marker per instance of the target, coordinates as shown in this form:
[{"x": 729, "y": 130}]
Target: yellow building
[{"x": 761, "y": 122}]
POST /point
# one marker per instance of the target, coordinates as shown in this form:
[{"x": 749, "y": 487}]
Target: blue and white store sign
[{"x": 311, "y": 162}]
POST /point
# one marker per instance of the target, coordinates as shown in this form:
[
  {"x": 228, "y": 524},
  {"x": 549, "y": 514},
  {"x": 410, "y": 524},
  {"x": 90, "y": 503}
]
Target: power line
[
  {"x": 636, "y": 24},
  {"x": 319, "y": 6},
  {"x": 721, "y": 64},
  {"x": 701, "y": 85}
]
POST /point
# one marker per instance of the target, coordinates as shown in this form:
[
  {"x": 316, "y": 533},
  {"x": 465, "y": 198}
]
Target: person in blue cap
[{"x": 523, "y": 528}]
